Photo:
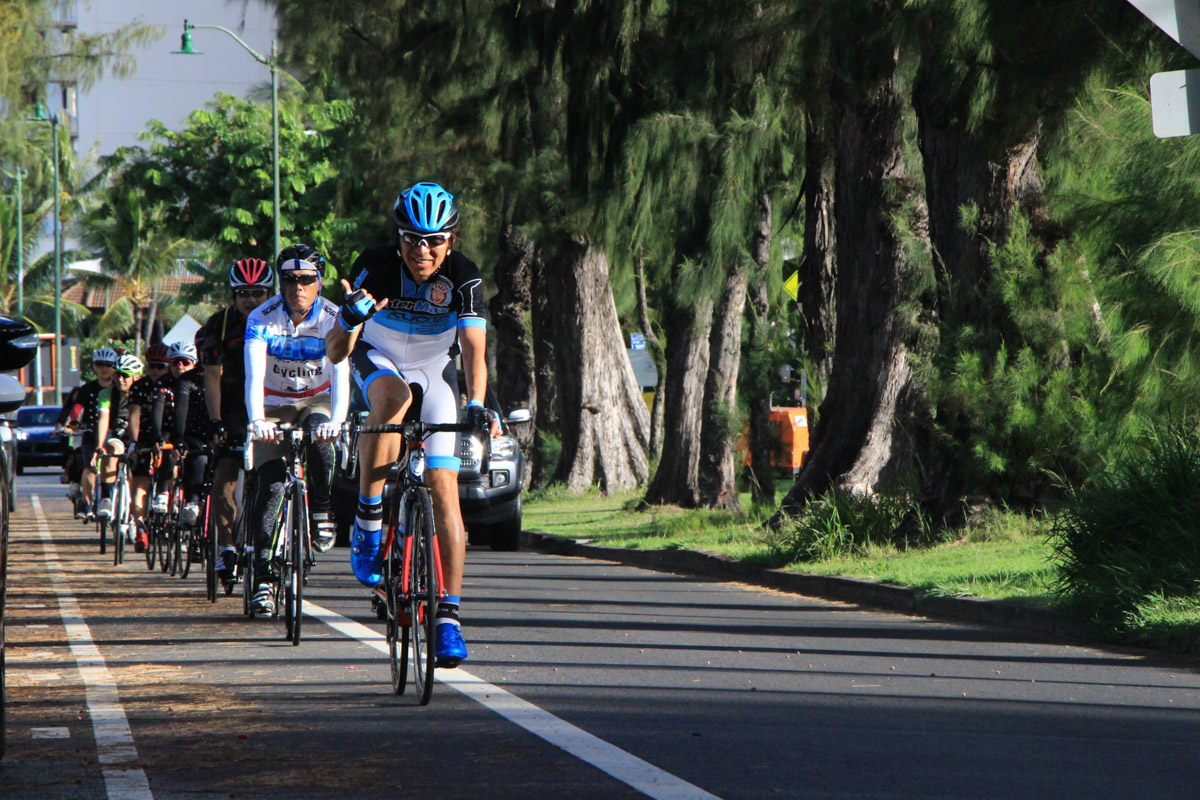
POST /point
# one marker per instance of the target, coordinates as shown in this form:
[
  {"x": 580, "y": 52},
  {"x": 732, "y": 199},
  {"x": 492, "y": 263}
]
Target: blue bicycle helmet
[{"x": 426, "y": 208}]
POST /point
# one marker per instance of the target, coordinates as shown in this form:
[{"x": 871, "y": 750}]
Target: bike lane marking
[
  {"x": 110, "y": 726},
  {"x": 608, "y": 758}
]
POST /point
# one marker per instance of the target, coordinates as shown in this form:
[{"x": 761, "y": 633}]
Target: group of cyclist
[{"x": 410, "y": 307}]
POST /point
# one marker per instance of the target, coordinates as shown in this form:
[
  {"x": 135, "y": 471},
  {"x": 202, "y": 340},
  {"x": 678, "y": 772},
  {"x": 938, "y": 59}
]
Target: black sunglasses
[
  {"x": 303, "y": 280},
  {"x": 255, "y": 293}
]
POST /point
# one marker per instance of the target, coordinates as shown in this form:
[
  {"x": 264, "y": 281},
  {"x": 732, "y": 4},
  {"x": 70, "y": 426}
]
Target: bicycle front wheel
[
  {"x": 208, "y": 541},
  {"x": 423, "y": 591},
  {"x": 119, "y": 518},
  {"x": 151, "y": 541},
  {"x": 294, "y": 567},
  {"x": 397, "y": 609},
  {"x": 163, "y": 533}
]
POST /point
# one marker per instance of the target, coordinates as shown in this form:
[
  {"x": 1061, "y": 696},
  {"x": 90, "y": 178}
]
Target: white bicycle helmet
[
  {"x": 129, "y": 364},
  {"x": 181, "y": 350},
  {"x": 104, "y": 355}
]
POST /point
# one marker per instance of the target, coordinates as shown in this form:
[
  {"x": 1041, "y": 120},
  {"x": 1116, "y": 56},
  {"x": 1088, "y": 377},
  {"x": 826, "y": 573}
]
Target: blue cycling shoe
[
  {"x": 365, "y": 558},
  {"x": 451, "y": 649}
]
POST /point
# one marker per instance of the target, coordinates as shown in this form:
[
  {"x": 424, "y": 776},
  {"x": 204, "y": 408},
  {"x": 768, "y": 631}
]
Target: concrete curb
[{"x": 1000, "y": 613}]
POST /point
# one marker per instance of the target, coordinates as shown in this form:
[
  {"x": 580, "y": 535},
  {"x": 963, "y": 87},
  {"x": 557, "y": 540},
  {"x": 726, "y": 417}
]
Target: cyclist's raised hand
[
  {"x": 358, "y": 306},
  {"x": 264, "y": 429}
]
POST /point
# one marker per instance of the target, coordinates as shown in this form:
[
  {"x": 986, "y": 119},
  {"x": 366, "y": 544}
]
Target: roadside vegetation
[{"x": 1121, "y": 554}]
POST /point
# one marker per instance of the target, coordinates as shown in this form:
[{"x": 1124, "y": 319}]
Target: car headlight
[
  {"x": 22, "y": 435},
  {"x": 504, "y": 447}
]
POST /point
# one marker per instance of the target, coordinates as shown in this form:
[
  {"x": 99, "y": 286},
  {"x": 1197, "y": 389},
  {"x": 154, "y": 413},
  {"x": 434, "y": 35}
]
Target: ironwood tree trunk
[
  {"x": 605, "y": 425},
  {"x": 818, "y": 263},
  {"x": 869, "y": 368},
  {"x": 510, "y": 309},
  {"x": 547, "y": 414},
  {"x": 990, "y": 174},
  {"x": 676, "y": 481},
  {"x": 762, "y": 474},
  {"x": 719, "y": 428}
]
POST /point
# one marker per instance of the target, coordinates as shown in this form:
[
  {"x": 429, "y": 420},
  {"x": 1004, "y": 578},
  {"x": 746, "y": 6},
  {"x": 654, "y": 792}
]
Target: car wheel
[{"x": 506, "y": 537}]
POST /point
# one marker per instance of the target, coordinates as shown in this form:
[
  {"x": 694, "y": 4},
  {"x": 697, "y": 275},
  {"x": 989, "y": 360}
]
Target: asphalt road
[{"x": 586, "y": 679}]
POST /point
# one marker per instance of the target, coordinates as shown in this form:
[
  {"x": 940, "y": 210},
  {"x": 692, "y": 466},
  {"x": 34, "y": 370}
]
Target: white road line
[
  {"x": 625, "y": 767},
  {"x": 114, "y": 741}
]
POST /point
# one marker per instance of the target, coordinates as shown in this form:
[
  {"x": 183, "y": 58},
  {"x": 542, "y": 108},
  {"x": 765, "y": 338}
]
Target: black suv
[{"x": 491, "y": 503}]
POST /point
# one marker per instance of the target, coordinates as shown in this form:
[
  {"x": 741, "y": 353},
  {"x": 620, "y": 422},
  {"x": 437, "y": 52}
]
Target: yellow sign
[{"x": 792, "y": 286}]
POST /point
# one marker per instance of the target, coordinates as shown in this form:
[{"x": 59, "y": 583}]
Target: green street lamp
[
  {"x": 41, "y": 115},
  {"x": 186, "y": 49}
]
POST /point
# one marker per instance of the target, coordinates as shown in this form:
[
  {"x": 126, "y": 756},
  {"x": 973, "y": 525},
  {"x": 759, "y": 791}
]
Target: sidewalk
[{"x": 1002, "y": 613}]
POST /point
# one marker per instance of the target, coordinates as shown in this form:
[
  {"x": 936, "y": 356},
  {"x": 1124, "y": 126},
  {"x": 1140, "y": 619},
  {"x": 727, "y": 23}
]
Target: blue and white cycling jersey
[
  {"x": 419, "y": 326},
  {"x": 291, "y": 358}
]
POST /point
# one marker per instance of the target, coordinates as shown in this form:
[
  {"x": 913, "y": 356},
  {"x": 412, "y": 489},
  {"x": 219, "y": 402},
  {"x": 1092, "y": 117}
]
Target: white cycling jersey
[{"x": 286, "y": 363}]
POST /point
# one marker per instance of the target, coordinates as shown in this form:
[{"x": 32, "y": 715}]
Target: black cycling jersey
[
  {"x": 86, "y": 400},
  {"x": 118, "y": 406},
  {"x": 223, "y": 345},
  {"x": 179, "y": 411},
  {"x": 419, "y": 325}
]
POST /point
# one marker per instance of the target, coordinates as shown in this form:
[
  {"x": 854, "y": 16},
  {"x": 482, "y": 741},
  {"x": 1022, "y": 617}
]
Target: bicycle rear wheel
[{"x": 423, "y": 591}]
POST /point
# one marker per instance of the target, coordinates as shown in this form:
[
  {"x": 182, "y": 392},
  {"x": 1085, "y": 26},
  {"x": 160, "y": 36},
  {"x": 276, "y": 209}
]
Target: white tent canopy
[{"x": 183, "y": 331}]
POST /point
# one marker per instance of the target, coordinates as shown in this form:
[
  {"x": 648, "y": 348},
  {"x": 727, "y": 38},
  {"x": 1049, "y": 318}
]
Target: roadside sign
[
  {"x": 791, "y": 285},
  {"x": 1179, "y": 19},
  {"x": 637, "y": 341},
  {"x": 1175, "y": 103}
]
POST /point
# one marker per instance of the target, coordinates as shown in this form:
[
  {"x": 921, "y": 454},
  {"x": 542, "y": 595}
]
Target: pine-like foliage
[{"x": 1133, "y": 204}]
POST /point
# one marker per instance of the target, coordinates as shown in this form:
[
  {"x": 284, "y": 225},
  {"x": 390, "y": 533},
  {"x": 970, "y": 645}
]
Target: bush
[
  {"x": 839, "y": 523},
  {"x": 1132, "y": 536}
]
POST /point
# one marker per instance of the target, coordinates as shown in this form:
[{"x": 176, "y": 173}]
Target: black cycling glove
[
  {"x": 357, "y": 308},
  {"x": 479, "y": 416}
]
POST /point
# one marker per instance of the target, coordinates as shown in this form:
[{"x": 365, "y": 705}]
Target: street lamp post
[
  {"x": 42, "y": 116},
  {"x": 186, "y": 49}
]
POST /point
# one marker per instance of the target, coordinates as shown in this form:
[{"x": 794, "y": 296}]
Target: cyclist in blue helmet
[{"x": 412, "y": 306}]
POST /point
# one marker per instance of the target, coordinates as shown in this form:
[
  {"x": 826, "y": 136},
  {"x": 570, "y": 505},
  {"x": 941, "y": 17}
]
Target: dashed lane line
[
  {"x": 625, "y": 767},
  {"x": 114, "y": 740}
]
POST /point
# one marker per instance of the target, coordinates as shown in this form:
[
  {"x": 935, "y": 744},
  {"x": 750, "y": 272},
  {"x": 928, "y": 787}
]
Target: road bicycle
[
  {"x": 204, "y": 547},
  {"x": 158, "y": 516},
  {"x": 120, "y": 522},
  {"x": 412, "y": 564},
  {"x": 291, "y": 538}
]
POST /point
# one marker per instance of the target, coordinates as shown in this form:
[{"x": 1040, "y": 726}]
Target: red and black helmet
[
  {"x": 157, "y": 353},
  {"x": 251, "y": 272}
]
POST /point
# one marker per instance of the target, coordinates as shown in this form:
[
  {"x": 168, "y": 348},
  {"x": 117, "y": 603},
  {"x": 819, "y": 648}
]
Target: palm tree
[{"x": 126, "y": 232}]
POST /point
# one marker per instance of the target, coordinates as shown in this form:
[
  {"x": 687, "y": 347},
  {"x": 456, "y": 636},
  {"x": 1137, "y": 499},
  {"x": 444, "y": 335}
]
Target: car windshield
[{"x": 31, "y": 417}]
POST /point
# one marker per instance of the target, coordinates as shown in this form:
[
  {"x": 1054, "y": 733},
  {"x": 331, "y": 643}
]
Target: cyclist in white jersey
[
  {"x": 289, "y": 380},
  {"x": 412, "y": 305}
]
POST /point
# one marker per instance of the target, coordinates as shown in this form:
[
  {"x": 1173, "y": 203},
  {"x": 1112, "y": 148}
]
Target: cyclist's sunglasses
[
  {"x": 156, "y": 365},
  {"x": 121, "y": 374},
  {"x": 183, "y": 361},
  {"x": 430, "y": 240},
  {"x": 303, "y": 280},
  {"x": 255, "y": 293},
  {"x": 108, "y": 364}
]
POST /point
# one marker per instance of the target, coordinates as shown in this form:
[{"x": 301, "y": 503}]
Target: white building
[{"x": 166, "y": 87}]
